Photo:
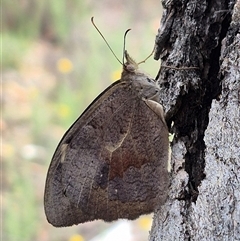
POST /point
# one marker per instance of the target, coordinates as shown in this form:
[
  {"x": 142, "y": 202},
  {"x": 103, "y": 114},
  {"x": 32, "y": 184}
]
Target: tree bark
[{"x": 199, "y": 46}]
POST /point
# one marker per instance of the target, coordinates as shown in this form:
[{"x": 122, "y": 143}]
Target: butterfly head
[{"x": 130, "y": 65}]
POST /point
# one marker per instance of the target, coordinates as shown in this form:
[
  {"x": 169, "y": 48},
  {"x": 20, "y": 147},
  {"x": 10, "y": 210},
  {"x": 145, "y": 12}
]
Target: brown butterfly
[{"x": 112, "y": 162}]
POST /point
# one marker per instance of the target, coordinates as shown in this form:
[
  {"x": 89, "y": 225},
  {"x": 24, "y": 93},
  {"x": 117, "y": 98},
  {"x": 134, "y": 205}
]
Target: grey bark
[{"x": 199, "y": 46}]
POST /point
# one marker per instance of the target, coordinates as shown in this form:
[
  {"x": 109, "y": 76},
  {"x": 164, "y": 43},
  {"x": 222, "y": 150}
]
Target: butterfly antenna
[
  {"x": 105, "y": 41},
  {"x": 124, "y": 43},
  {"x": 148, "y": 56}
]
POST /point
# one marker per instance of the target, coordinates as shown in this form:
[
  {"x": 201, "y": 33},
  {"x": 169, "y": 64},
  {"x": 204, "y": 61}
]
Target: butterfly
[{"x": 112, "y": 162}]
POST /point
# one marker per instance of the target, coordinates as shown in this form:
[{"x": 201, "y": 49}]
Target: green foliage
[
  {"x": 13, "y": 49},
  {"x": 20, "y": 216}
]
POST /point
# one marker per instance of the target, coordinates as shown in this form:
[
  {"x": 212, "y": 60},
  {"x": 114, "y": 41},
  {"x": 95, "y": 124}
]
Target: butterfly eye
[{"x": 149, "y": 80}]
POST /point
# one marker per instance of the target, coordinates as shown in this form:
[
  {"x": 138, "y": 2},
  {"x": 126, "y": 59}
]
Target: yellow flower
[
  {"x": 145, "y": 222},
  {"x": 116, "y": 75},
  {"x": 64, "y": 65},
  {"x": 76, "y": 237},
  {"x": 64, "y": 110}
]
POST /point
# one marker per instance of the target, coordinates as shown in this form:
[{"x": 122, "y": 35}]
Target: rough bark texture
[{"x": 199, "y": 45}]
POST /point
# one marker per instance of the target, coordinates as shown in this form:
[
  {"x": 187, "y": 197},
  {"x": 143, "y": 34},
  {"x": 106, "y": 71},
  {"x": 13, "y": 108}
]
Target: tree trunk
[{"x": 199, "y": 45}]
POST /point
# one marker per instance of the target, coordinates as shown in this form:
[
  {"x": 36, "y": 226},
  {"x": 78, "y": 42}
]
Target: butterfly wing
[
  {"x": 111, "y": 164},
  {"x": 138, "y": 177},
  {"x": 80, "y": 138}
]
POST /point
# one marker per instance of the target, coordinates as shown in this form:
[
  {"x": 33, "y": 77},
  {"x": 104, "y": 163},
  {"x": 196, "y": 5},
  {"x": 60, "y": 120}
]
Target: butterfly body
[{"x": 112, "y": 162}]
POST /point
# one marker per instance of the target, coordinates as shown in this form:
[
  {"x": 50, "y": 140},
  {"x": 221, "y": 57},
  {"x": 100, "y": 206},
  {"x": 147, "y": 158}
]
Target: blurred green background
[{"x": 54, "y": 63}]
